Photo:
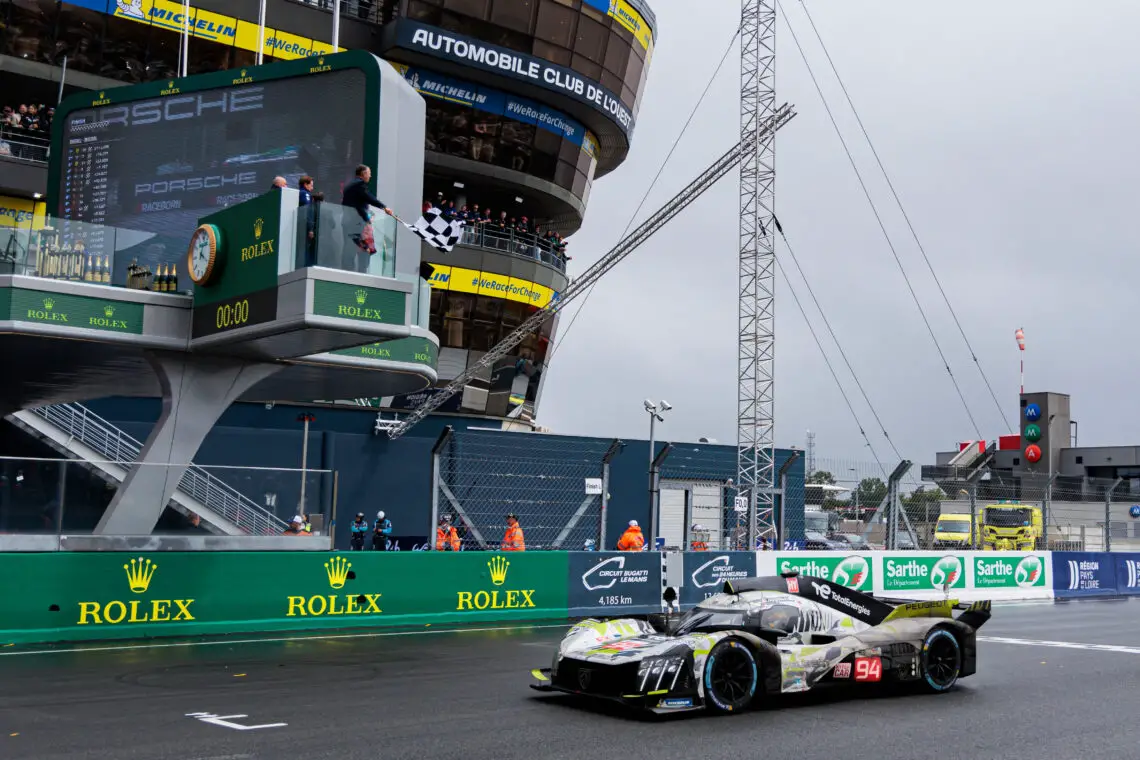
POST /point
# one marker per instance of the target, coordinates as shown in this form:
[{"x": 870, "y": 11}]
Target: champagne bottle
[
  {"x": 174, "y": 279},
  {"x": 106, "y": 271},
  {"x": 161, "y": 279},
  {"x": 133, "y": 275}
]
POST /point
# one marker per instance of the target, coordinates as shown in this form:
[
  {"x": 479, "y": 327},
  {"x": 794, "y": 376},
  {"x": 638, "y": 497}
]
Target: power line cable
[
  {"x": 652, "y": 184},
  {"x": 882, "y": 226},
  {"x": 830, "y": 367},
  {"x": 910, "y": 226}
]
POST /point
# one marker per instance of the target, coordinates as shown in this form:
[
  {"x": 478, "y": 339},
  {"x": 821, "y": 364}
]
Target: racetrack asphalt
[{"x": 466, "y": 695}]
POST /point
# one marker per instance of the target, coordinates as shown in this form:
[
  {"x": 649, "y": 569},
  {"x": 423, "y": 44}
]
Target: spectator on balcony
[
  {"x": 513, "y": 538},
  {"x": 297, "y": 527},
  {"x": 446, "y": 538},
  {"x": 381, "y": 532},
  {"x": 359, "y": 528}
]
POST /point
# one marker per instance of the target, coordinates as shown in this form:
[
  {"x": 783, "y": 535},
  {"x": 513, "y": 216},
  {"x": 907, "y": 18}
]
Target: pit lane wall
[{"x": 73, "y": 596}]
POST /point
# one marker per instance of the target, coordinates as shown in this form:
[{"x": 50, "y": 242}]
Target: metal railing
[
  {"x": 525, "y": 245},
  {"x": 220, "y": 498},
  {"x": 17, "y": 142}
]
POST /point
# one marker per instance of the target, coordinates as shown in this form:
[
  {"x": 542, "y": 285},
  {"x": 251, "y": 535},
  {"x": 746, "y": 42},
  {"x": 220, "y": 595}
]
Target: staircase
[{"x": 80, "y": 434}]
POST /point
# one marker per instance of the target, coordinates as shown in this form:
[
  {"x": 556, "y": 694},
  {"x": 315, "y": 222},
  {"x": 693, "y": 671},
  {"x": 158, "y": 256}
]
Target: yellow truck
[
  {"x": 952, "y": 531},
  {"x": 1010, "y": 526}
]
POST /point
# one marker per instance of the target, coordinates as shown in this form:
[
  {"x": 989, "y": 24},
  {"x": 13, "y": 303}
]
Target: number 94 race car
[{"x": 762, "y": 637}]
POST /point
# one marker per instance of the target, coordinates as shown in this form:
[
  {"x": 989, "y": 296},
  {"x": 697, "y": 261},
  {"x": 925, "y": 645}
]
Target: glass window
[
  {"x": 125, "y": 50},
  {"x": 479, "y": 9},
  {"x": 555, "y": 24},
  {"x": 30, "y": 29},
  {"x": 459, "y": 305},
  {"x": 207, "y": 56},
  {"x": 547, "y": 142},
  {"x": 553, "y": 53},
  {"x": 633, "y": 71},
  {"x": 484, "y": 336},
  {"x": 80, "y": 38},
  {"x": 436, "y": 302},
  {"x": 514, "y": 14},
  {"x": 488, "y": 309},
  {"x": 564, "y": 175},
  {"x": 617, "y": 56},
  {"x": 586, "y": 67},
  {"x": 611, "y": 81},
  {"x": 425, "y": 11},
  {"x": 590, "y": 40}
]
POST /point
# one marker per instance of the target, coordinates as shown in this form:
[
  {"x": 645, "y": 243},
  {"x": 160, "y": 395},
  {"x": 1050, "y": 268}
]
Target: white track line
[
  {"x": 1061, "y": 644},
  {"x": 230, "y": 642}
]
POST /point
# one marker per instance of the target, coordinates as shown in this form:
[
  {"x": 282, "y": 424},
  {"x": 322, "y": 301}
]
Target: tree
[
  {"x": 923, "y": 505},
  {"x": 822, "y": 478},
  {"x": 870, "y": 493}
]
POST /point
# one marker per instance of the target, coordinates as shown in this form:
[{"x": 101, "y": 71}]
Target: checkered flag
[{"x": 437, "y": 231}]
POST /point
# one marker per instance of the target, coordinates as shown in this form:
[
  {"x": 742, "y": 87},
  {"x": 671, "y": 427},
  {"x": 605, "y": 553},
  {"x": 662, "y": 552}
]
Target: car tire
[
  {"x": 940, "y": 660},
  {"x": 731, "y": 677}
]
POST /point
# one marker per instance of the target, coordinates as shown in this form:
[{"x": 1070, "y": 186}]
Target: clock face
[{"x": 200, "y": 254}]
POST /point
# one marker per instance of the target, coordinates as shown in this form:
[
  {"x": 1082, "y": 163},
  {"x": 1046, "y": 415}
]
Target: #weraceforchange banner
[{"x": 610, "y": 584}]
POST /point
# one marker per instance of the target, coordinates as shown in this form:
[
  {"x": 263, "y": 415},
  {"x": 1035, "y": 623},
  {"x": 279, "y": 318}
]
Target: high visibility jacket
[
  {"x": 445, "y": 541},
  {"x": 513, "y": 540},
  {"x": 631, "y": 540},
  {"x": 699, "y": 546}
]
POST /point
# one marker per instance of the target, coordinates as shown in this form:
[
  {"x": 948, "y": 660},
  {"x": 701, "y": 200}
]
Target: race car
[{"x": 761, "y": 637}]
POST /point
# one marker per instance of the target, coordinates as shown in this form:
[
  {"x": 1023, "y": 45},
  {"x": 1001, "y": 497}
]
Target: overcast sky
[{"x": 1009, "y": 130}]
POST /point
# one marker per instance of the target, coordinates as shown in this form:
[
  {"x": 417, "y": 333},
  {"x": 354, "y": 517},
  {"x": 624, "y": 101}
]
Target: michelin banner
[{"x": 611, "y": 584}]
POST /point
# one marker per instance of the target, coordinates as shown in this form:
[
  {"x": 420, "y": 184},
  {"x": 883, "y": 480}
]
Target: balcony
[
  {"x": 524, "y": 245},
  {"x": 24, "y": 144}
]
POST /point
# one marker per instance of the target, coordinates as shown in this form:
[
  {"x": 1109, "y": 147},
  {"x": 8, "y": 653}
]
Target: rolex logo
[
  {"x": 243, "y": 72},
  {"x": 337, "y": 569},
  {"x": 109, "y": 311},
  {"x": 498, "y": 566},
  {"x": 361, "y": 296},
  {"x": 49, "y": 303},
  {"x": 258, "y": 226},
  {"x": 102, "y": 95},
  {"x": 139, "y": 573},
  {"x": 321, "y": 61},
  {"x": 171, "y": 84}
]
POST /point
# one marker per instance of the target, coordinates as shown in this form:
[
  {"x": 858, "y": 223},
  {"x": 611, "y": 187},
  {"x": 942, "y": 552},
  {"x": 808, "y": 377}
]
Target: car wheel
[
  {"x": 731, "y": 676},
  {"x": 941, "y": 660}
]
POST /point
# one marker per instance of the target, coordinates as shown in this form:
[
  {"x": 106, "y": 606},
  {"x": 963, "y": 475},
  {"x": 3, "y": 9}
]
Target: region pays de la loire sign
[
  {"x": 1009, "y": 571},
  {"x": 852, "y": 571},
  {"x": 923, "y": 572}
]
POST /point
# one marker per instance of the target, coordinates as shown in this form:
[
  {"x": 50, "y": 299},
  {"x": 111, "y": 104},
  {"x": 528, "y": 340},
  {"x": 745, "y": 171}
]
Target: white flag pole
[
  {"x": 336, "y": 26},
  {"x": 260, "y": 32},
  {"x": 185, "y": 38}
]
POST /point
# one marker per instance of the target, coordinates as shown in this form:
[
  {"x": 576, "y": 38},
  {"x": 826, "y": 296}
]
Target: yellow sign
[
  {"x": 219, "y": 28},
  {"x": 140, "y": 572},
  {"x": 490, "y": 284},
  {"x": 337, "y": 570},
  {"x": 496, "y": 599},
  {"x": 20, "y": 212},
  {"x": 628, "y": 17}
]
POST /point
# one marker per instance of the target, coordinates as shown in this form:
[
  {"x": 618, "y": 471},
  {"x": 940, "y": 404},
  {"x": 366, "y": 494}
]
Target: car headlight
[{"x": 657, "y": 673}]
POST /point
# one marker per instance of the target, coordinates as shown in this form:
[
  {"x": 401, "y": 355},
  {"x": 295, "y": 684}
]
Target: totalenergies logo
[
  {"x": 497, "y": 598},
  {"x": 140, "y": 573}
]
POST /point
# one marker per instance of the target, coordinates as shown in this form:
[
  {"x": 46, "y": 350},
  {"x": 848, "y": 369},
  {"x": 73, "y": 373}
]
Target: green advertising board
[
  {"x": 408, "y": 350},
  {"x": 923, "y": 572},
  {"x": 1027, "y": 571},
  {"x": 852, "y": 571},
  {"x": 364, "y": 304},
  {"x": 67, "y": 310},
  {"x": 107, "y": 595}
]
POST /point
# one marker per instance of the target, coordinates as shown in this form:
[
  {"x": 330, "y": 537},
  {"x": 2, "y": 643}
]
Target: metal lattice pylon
[{"x": 755, "y": 380}]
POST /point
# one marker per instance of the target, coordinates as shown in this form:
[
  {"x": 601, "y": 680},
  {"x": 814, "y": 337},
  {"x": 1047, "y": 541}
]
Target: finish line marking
[
  {"x": 1061, "y": 644},
  {"x": 382, "y": 634}
]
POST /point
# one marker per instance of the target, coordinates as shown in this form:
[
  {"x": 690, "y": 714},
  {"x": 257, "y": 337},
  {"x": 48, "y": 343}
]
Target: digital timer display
[{"x": 233, "y": 313}]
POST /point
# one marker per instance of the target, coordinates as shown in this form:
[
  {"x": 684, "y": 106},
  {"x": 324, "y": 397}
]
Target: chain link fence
[{"x": 556, "y": 487}]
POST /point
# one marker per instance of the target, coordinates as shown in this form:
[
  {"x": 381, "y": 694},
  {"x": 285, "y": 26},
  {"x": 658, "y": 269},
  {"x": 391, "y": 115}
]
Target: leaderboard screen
[{"x": 156, "y": 165}]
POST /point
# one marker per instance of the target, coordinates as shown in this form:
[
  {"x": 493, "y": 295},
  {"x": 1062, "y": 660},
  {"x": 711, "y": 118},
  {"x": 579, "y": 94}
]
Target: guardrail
[{"x": 117, "y": 446}]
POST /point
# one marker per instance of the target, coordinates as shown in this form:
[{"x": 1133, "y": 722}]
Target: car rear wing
[{"x": 974, "y": 614}]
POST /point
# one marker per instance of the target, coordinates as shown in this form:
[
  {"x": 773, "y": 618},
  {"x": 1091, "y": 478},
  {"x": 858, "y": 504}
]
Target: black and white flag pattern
[{"x": 437, "y": 231}]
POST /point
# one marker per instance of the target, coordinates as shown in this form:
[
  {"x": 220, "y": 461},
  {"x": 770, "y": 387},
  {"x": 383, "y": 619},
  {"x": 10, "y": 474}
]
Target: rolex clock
[{"x": 202, "y": 257}]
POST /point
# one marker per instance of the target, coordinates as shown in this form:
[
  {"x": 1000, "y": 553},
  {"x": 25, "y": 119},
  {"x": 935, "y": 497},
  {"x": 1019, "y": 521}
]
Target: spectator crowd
[
  {"x": 25, "y": 131},
  {"x": 483, "y": 222}
]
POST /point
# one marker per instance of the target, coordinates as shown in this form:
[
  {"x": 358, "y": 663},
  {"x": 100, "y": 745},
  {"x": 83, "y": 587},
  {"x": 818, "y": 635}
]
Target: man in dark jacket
[{"x": 357, "y": 196}]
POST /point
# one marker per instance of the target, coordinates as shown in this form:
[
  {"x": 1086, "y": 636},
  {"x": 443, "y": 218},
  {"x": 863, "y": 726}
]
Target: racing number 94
[{"x": 868, "y": 669}]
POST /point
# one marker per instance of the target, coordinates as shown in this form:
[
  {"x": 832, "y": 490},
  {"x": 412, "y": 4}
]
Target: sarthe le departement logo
[
  {"x": 338, "y": 571},
  {"x": 140, "y": 573}
]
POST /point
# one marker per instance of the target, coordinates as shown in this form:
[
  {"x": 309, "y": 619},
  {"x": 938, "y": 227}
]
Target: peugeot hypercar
[{"x": 765, "y": 636}]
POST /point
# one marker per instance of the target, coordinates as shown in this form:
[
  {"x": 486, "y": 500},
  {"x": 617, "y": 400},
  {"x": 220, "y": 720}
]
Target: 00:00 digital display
[{"x": 232, "y": 315}]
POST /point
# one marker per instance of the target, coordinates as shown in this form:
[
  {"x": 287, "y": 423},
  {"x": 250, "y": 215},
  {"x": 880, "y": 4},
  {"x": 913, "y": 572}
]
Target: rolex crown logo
[
  {"x": 243, "y": 72},
  {"x": 361, "y": 296},
  {"x": 102, "y": 95},
  {"x": 171, "y": 85},
  {"x": 321, "y": 61},
  {"x": 337, "y": 569},
  {"x": 109, "y": 311},
  {"x": 49, "y": 303},
  {"x": 498, "y": 566},
  {"x": 139, "y": 573},
  {"x": 258, "y": 226}
]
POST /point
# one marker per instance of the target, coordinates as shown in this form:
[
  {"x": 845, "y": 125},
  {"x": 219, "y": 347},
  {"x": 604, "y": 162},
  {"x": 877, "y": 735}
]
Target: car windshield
[
  {"x": 1005, "y": 517},
  {"x": 953, "y": 526},
  {"x": 698, "y": 618}
]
